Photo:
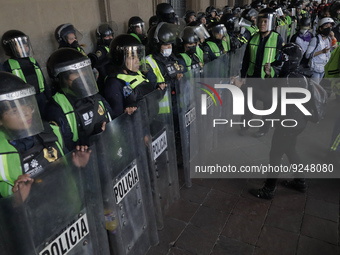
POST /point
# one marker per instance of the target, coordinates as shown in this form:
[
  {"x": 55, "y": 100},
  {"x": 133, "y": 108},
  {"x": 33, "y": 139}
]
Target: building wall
[{"x": 39, "y": 19}]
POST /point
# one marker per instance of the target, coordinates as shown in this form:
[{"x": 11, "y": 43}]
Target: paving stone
[
  {"x": 168, "y": 235},
  {"x": 251, "y": 208},
  {"x": 244, "y": 229},
  {"x": 220, "y": 200},
  {"x": 289, "y": 220},
  {"x": 233, "y": 186},
  {"x": 182, "y": 210},
  {"x": 327, "y": 194},
  {"x": 322, "y": 209},
  {"x": 278, "y": 241},
  {"x": 228, "y": 246},
  {"x": 290, "y": 199},
  {"x": 210, "y": 219},
  {"x": 176, "y": 251},
  {"x": 321, "y": 229},
  {"x": 311, "y": 246},
  {"x": 205, "y": 182},
  {"x": 197, "y": 240},
  {"x": 195, "y": 194}
]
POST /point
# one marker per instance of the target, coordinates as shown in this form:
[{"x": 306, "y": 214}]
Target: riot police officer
[
  {"x": 137, "y": 29},
  {"x": 165, "y": 13},
  {"x": 190, "y": 16},
  {"x": 165, "y": 65},
  {"x": 233, "y": 30},
  {"x": 210, "y": 13},
  {"x": 284, "y": 139},
  {"x": 100, "y": 59},
  {"x": 27, "y": 144},
  {"x": 219, "y": 42},
  {"x": 191, "y": 52},
  {"x": 251, "y": 16},
  {"x": 77, "y": 107},
  {"x": 127, "y": 85},
  {"x": 260, "y": 52},
  {"x": 21, "y": 63},
  {"x": 67, "y": 36}
]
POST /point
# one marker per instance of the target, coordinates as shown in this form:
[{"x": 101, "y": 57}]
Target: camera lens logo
[{"x": 205, "y": 100}]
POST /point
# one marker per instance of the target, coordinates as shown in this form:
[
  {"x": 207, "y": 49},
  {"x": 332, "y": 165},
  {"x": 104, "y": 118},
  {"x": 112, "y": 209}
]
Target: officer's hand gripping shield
[
  {"x": 61, "y": 212},
  {"x": 77, "y": 79},
  {"x": 20, "y": 116},
  {"x": 125, "y": 184}
]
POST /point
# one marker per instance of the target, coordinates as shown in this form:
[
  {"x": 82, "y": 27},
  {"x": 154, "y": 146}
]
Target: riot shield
[
  {"x": 125, "y": 184},
  {"x": 60, "y": 213},
  {"x": 156, "y": 110},
  {"x": 292, "y": 30}
]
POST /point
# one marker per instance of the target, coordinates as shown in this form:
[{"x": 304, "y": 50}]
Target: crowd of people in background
[{"x": 89, "y": 90}]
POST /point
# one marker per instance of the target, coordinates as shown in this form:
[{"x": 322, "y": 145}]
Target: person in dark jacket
[{"x": 284, "y": 139}]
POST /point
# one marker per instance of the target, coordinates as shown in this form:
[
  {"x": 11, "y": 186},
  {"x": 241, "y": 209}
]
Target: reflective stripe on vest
[
  {"x": 188, "y": 60},
  {"x": 68, "y": 110},
  {"x": 155, "y": 68},
  {"x": 133, "y": 80},
  {"x": 268, "y": 55},
  {"x": 16, "y": 69}
]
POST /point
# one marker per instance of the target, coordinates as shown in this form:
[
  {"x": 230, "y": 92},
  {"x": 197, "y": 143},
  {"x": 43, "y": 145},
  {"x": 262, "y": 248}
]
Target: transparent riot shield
[
  {"x": 156, "y": 110},
  {"x": 186, "y": 97},
  {"x": 125, "y": 183},
  {"x": 292, "y": 30},
  {"x": 59, "y": 213}
]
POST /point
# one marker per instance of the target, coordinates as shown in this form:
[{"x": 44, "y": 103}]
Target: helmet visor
[
  {"x": 20, "y": 116},
  {"x": 134, "y": 58},
  {"x": 218, "y": 30},
  {"x": 68, "y": 31},
  {"x": 266, "y": 22},
  {"x": 293, "y": 12},
  {"x": 78, "y": 80},
  {"x": 21, "y": 47},
  {"x": 244, "y": 23},
  {"x": 202, "y": 32},
  {"x": 138, "y": 28}
]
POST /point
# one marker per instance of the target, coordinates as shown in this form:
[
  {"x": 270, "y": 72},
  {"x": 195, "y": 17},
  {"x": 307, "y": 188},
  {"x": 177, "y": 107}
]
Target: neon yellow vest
[
  {"x": 216, "y": 50},
  {"x": 155, "y": 69},
  {"x": 269, "y": 53},
  {"x": 68, "y": 110},
  {"x": 16, "y": 69},
  {"x": 10, "y": 162},
  {"x": 133, "y": 80},
  {"x": 253, "y": 30}
]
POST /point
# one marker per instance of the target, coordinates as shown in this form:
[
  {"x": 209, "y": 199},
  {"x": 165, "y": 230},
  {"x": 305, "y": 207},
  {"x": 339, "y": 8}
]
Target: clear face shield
[
  {"x": 69, "y": 33},
  {"x": 139, "y": 28},
  {"x": 201, "y": 32},
  {"x": 293, "y": 12},
  {"x": 279, "y": 12},
  {"x": 245, "y": 23},
  {"x": 266, "y": 22},
  {"x": 78, "y": 79},
  {"x": 219, "y": 31},
  {"x": 134, "y": 58},
  {"x": 21, "y": 47},
  {"x": 19, "y": 114}
]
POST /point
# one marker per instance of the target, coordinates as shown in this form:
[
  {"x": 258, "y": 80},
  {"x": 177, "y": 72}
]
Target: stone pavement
[{"x": 220, "y": 217}]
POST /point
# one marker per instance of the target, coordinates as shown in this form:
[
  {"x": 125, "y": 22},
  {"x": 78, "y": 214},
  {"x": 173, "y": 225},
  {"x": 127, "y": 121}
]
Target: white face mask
[
  {"x": 303, "y": 31},
  {"x": 166, "y": 52}
]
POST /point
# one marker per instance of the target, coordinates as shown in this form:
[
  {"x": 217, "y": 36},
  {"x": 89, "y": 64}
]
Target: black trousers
[{"x": 283, "y": 143}]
